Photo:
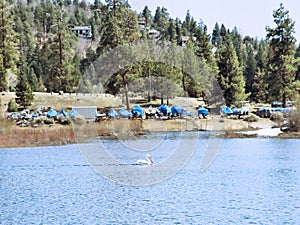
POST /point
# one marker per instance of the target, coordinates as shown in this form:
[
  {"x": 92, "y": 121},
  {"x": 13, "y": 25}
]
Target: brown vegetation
[
  {"x": 13, "y": 136},
  {"x": 294, "y": 119},
  {"x": 19, "y": 136}
]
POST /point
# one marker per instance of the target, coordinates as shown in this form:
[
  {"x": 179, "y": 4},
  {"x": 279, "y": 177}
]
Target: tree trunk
[
  {"x": 126, "y": 97},
  {"x": 162, "y": 99},
  {"x": 124, "y": 82},
  {"x": 284, "y": 100}
]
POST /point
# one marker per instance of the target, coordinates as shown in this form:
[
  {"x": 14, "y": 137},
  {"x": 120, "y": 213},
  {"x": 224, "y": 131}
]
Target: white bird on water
[{"x": 148, "y": 162}]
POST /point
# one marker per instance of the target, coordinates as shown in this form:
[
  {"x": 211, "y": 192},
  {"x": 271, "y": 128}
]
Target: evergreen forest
[{"x": 40, "y": 53}]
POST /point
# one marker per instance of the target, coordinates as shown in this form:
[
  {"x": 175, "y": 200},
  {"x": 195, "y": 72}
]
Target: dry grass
[
  {"x": 13, "y": 136},
  {"x": 66, "y": 101},
  {"x": 18, "y": 136},
  {"x": 294, "y": 118}
]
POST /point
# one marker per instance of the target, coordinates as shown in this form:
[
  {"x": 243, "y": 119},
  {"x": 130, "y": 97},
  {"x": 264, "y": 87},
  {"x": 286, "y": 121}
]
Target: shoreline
[{"x": 15, "y": 137}]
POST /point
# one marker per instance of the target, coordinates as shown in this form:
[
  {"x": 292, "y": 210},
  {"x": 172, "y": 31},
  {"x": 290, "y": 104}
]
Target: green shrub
[
  {"x": 251, "y": 118},
  {"x": 12, "y": 105}
]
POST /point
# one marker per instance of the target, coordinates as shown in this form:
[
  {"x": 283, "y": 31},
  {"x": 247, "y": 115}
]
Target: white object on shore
[
  {"x": 266, "y": 132},
  {"x": 148, "y": 162}
]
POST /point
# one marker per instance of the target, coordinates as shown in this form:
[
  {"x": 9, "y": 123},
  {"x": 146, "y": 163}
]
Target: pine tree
[
  {"x": 260, "y": 85},
  {"x": 115, "y": 5},
  {"x": 8, "y": 52},
  {"x": 297, "y": 56},
  {"x": 23, "y": 26},
  {"x": 215, "y": 39},
  {"x": 178, "y": 31},
  {"x": 281, "y": 63},
  {"x": 161, "y": 21},
  {"x": 238, "y": 46},
  {"x": 204, "y": 50},
  {"x": 3, "y": 81},
  {"x": 146, "y": 13},
  {"x": 231, "y": 79},
  {"x": 187, "y": 23},
  {"x": 172, "y": 31},
  {"x": 33, "y": 80},
  {"x": 250, "y": 68},
  {"x": 23, "y": 90},
  {"x": 62, "y": 72},
  {"x": 261, "y": 56},
  {"x": 203, "y": 46},
  {"x": 44, "y": 19},
  {"x": 118, "y": 28},
  {"x": 223, "y": 33}
]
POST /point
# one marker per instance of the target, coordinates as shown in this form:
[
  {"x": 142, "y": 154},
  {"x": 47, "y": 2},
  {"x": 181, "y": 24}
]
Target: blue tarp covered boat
[
  {"x": 63, "y": 112},
  {"x": 137, "y": 111},
  {"x": 202, "y": 111},
  {"x": 236, "y": 111},
  {"x": 52, "y": 113},
  {"x": 124, "y": 113},
  {"x": 176, "y": 110},
  {"x": 226, "y": 110},
  {"x": 190, "y": 114},
  {"x": 74, "y": 113},
  {"x": 113, "y": 113},
  {"x": 164, "y": 109},
  {"x": 282, "y": 110}
]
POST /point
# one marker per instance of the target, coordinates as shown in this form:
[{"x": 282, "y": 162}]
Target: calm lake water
[{"x": 251, "y": 181}]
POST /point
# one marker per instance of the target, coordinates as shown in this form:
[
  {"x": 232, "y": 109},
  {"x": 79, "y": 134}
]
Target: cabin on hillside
[
  {"x": 142, "y": 23},
  {"x": 153, "y": 33},
  {"x": 82, "y": 31},
  {"x": 185, "y": 39}
]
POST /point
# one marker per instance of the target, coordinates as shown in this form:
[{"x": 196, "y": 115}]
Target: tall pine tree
[
  {"x": 281, "y": 63},
  {"x": 231, "y": 79},
  {"x": 260, "y": 84},
  {"x": 8, "y": 52},
  {"x": 23, "y": 90},
  {"x": 250, "y": 68}
]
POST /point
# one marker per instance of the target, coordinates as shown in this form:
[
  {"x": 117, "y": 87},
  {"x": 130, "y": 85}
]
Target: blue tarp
[
  {"x": 35, "y": 115},
  {"x": 112, "y": 113},
  {"x": 202, "y": 111},
  {"x": 236, "y": 111},
  {"x": 63, "y": 112},
  {"x": 124, "y": 113},
  {"x": 282, "y": 110},
  {"x": 226, "y": 110},
  {"x": 191, "y": 114},
  {"x": 74, "y": 113},
  {"x": 177, "y": 110},
  {"x": 51, "y": 113},
  {"x": 164, "y": 109},
  {"x": 137, "y": 110}
]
